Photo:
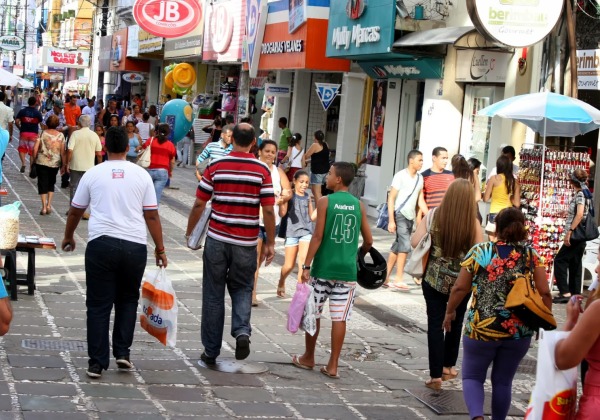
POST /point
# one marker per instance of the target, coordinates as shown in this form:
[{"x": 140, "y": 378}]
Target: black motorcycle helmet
[{"x": 371, "y": 275}]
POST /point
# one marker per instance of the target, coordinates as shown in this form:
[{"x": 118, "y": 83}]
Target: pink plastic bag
[{"x": 297, "y": 307}]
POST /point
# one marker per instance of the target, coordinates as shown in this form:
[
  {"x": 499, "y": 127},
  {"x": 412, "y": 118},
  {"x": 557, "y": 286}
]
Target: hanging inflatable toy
[
  {"x": 184, "y": 75},
  {"x": 179, "y": 115}
]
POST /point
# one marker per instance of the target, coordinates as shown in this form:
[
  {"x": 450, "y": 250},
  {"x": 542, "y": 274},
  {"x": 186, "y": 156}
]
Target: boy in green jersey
[{"x": 332, "y": 251}]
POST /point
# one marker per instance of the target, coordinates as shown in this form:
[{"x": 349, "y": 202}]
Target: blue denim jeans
[
  {"x": 160, "y": 178},
  {"x": 113, "y": 274},
  {"x": 231, "y": 266}
]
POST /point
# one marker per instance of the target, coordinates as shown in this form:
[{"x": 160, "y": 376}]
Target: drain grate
[
  {"x": 37, "y": 344},
  {"x": 452, "y": 402},
  {"x": 527, "y": 366}
]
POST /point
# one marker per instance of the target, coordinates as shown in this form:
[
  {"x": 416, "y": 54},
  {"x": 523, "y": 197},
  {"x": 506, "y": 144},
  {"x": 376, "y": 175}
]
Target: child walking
[
  {"x": 332, "y": 251},
  {"x": 300, "y": 217}
]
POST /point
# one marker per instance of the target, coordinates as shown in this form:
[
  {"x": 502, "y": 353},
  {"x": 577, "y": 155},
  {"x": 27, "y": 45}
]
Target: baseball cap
[{"x": 59, "y": 104}]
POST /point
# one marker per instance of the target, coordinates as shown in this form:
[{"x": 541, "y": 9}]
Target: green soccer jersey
[{"x": 336, "y": 257}]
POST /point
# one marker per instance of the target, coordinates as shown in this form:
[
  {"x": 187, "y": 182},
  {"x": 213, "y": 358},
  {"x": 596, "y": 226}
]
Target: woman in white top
[
  {"x": 267, "y": 152},
  {"x": 144, "y": 128},
  {"x": 293, "y": 160}
]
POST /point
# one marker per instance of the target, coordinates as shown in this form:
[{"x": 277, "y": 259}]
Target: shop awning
[
  {"x": 420, "y": 69},
  {"x": 433, "y": 41}
]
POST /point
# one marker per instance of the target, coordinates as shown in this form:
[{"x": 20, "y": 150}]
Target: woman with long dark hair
[
  {"x": 494, "y": 334},
  {"x": 449, "y": 247},
  {"x": 162, "y": 158},
  {"x": 318, "y": 153},
  {"x": 568, "y": 261},
  {"x": 462, "y": 169},
  {"x": 503, "y": 190},
  {"x": 293, "y": 158}
]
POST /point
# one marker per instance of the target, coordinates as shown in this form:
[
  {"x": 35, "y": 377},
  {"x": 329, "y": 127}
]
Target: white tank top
[
  {"x": 297, "y": 158},
  {"x": 276, "y": 178}
]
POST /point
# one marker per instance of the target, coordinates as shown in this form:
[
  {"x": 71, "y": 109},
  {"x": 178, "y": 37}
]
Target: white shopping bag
[
  {"x": 159, "y": 308},
  {"x": 554, "y": 395},
  {"x": 309, "y": 318},
  {"x": 198, "y": 235}
]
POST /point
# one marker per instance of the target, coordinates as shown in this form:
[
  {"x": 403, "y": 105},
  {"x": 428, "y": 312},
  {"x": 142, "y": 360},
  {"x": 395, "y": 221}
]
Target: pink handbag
[{"x": 297, "y": 305}]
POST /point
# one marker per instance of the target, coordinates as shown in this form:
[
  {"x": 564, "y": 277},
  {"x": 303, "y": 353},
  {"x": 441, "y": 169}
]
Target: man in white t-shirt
[
  {"x": 509, "y": 152},
  {"x": 403, "y": 198},
  {"x": 122, "y": 195},
  {"x": 90, "y": 110}
]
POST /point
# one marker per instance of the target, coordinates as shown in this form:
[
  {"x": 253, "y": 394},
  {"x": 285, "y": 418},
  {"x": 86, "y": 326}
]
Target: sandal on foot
[
  {"x": 296, "y": 362},
  {"x": 281, "y": 292},
  {"x": 449, "y": 376},
  {"x": 400, "y": 286},
  {"x": 325, "y": 372},
  {"x": 417, "y": 281},
  {"x": 42, "y": 212},
  {"x": 433, "y": 384},
  {"x": 254, "y": 302}
]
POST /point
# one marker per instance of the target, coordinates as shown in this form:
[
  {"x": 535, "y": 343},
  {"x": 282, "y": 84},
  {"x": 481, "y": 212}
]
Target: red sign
[{"x": 167, "y": 18}]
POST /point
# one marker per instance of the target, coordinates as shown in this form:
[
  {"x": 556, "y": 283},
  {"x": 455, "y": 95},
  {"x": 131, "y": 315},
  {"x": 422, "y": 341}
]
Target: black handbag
[{"x": 587, "y": 229}]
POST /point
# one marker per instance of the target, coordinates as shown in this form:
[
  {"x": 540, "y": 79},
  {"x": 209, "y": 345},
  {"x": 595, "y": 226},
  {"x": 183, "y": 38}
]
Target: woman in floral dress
[{"x": 493, "y": 334}]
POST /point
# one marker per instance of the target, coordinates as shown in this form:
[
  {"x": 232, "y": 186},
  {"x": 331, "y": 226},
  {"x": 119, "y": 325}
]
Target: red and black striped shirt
[{"x": 435, "y": 185}]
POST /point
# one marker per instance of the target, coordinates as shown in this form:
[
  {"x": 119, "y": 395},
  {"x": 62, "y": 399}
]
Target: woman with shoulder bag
[
  {"x": 49, "y": 154},
  {"x": 292, "y": 162},
  {"x": 448, "y": 247},
  {"x": 568, "y": 260},
  {"x": 493, "y": 334}
]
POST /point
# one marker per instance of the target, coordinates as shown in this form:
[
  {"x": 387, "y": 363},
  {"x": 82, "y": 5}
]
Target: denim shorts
[
  {"x": 403, "y": 232},
  {"x": 262, "y": 233},
  {"x": 296, "y": 240},
  {"x": 317, "y": 179}
]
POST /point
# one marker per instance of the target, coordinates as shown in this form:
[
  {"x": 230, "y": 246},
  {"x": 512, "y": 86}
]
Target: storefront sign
[
  {"x": 64, "y": 58},
  {"x": 478, "y": 66},
  {"x": 11, "y": 43},
  {"x": 281, "y": 91},
  {"x": 224, "y": 31},
  {"x": 133, "y": 77},
  {"x": 516, "y": 23},
  {"x": 283, "y": 47},
  {"x": 327, "y": 92},
  {"x": 429, "y": 68},
  {"x": 133, "y": 43},
  {"x": 185, "y": 46},
  {"x": 104, "y": 53},
  {"x": 296, "y": 14},
  {"x": 148, "y": 43},
  {"x": 82, "y": 33},
  {"x": 588, "y": 69},
  {"x": 83, "y": 80},
  {"x": 357, "y": 28},
  {"x": 168, "y": 18},
  {"x": 256, "y": 20}
]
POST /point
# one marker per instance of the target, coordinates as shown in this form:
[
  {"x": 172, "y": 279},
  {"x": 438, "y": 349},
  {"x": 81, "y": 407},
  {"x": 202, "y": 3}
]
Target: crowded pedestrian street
[{"x": 43, "y": 358}]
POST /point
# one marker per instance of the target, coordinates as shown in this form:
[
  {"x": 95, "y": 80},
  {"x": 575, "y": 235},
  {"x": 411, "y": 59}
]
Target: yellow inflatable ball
[
  {"x": 169, "y": 80},
  {"x": 184, "y": 75}
]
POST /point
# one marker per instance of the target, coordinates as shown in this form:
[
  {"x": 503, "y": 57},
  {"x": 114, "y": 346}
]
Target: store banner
[
  {"x": 104, "y": 53},
  {"x": 82, "y": 33},
  {"x": 170, "y": 18},
  {"x": 327, "y": 92},
  {"x": 189, "y": 45},
  {"x": 360, "y": 28},
  {"x": 429, "y": 68},
  {"x": 55, "y": 57},
  {"x": 148, "y": 43},
  {"x": 588, "y": 69},
  {"x": 118, "y": 54},
  {"x": 297, "y": 14},
  {"x": 133, "y": 42},
  {"x": 223, "y": 32},
  {"x": 280, "y": 91},
  {"x": 256, "y": 21},
  {"x": 479, "y": 66}
]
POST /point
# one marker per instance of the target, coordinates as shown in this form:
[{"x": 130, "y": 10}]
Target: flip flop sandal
[
  {"x": 296, "y": 362},
  {"x": 326, "y": 373},
  {"x": 386, "y": 285},
  {"x": 417, "y": 281},
  {"x": 435, "y": 385},
  {"x": 449, "y": 376},
  {"x": 281, "y": 292},
  {"x": 402, "y": 287}
]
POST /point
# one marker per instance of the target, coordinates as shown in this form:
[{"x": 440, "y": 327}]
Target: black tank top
[{"x": 319, "y": 162}]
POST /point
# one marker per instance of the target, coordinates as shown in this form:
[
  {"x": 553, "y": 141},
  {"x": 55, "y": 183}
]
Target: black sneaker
[
  {"x": 242, "y": 347},
  {"x": 207, "y": 359},
  {"x": 124, "y": 363},
  {"x": 22, "y": 170},
  {"x": 94, "y": 371}
]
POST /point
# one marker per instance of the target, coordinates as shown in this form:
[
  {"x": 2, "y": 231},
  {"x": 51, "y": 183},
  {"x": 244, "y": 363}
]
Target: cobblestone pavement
[{"x": 384, "y": 354}]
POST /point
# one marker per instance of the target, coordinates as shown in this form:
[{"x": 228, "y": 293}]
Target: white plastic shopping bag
[
  {"x": 554, "y": 395},
  {"x": 159, "y": 308},
  {"x": 309, "y": 318},
  {"x": 198, "y": 235}
]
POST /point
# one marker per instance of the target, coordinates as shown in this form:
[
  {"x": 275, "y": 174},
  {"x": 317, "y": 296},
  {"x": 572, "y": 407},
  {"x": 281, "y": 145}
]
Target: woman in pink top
[{"x": 583, "y": 343}]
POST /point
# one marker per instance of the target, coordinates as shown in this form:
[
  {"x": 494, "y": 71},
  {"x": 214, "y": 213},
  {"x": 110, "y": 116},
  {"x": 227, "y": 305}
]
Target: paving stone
[
  {"x": 4, "y": 388},
  {"x": 194, "y": 409},
  {"x": 227, "y": 379},
  {"x": 39, "y": 374},
  {"x": 53, "y": 416},
  {"x": 111, "y": 391},
  {"x": 390, "y": 373},
  {"x": 170, "y": 377},
  {"x": 399, "y": 384},
  {"x": 130, "y": 416},
  {"x": 158, "y": 364},
  {"x": 171, "y": 393},
  {"x": 43, "y": 403},
  {"x": 109, "y": 377},
  {"x": 307, "y": 396},
  {"x": 242, "y": 394},
  {"x": 114, "y": 405},
  {"x": 49, "y": 389},
  {"x": 5, "y": 402},
  {"x": 325, "y": 412},
  {"x": 17, "y": 360},
  {"x": 386, "y": 413},
  {"x": 260, "y": 409}
]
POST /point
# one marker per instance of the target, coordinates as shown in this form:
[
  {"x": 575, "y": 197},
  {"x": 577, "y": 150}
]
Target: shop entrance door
[{"x": 409, "y": 121}]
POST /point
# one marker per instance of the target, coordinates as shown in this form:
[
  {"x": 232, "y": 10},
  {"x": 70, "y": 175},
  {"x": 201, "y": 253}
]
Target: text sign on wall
[
  {"x": 588, "y": 69},
  {"x": 478, "y": 66},
  {"x": 64, "y": 58}
]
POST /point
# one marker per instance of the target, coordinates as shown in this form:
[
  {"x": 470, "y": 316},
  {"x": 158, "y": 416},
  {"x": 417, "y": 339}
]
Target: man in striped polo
[
  {"x": 215, "y": 149},
  {"x": 239, "y": 185},
  {"x": 436, "y": 179}
]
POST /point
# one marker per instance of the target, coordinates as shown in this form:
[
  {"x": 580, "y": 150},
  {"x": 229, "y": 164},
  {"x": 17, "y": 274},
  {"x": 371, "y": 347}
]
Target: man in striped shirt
[
  {"x": 436, "y": 179},
  {"x": 215, "y": 149},
  {"x": 239, "y": 185}
]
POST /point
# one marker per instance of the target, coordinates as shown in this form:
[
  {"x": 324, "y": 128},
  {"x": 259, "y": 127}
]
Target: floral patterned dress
[{"x": 494, "y": 267}]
